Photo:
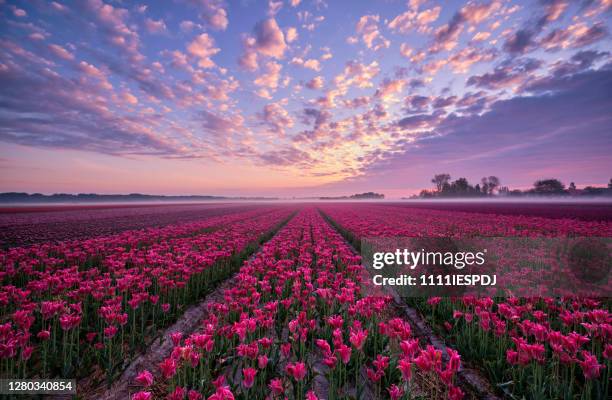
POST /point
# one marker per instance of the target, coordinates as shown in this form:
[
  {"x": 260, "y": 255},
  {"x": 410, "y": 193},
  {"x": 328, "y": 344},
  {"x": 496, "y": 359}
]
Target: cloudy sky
[{"x": 305, "y": 97}]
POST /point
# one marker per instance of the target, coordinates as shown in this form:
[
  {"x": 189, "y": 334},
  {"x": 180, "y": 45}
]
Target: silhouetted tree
[
  {"x": 462, "y": 186},
  {"x": 440, "y": 180},
  {"x": 489, "y": 184},
  {"x": 610, "y": 184},
  {"x": 593, "y": 191},
  {"x": 426, "y": 193},
  {"x": 548, "y": 186}
]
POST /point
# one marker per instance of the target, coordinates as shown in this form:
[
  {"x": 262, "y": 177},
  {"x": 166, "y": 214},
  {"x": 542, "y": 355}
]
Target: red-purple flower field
[{"x": 272, "y": 302}]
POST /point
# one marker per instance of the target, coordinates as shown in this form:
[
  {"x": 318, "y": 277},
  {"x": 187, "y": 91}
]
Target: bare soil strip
[
  {"x": 471, "y": 381},
  {"x": 160, "y": 349}
]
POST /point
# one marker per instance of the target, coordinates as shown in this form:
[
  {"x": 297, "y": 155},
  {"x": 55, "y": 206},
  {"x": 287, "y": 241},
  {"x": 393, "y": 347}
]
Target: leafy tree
[
  {"x": 461, "y": 185},
  {"x": 426, "y": 193},
  {"x": 548, "y": 187},
  {"x": 440, "y": 180},
  {"x": 593, "y": 191}
]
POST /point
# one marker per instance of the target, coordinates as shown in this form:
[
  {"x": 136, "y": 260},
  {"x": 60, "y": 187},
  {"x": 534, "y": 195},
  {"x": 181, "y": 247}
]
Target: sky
[{"x": 302, "y": 97}]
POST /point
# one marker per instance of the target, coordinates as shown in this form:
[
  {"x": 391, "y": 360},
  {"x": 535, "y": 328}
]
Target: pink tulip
[
  {"x": 262, "y": 361},
  {"x": 110, "y": 331},
  {"x": 310, "y": 395},
  {"x": 297, "y": 370},
  {"x": 168, "y": 368},
  {"x": 222, "y": 393},
  {"x": 219, "y": 381},
  {"x": 455, "y": 393},
  {"x": 145, "y": 378},
  {"x": 454, "y": 361},
  {"x": 406, "y": 369},
  {"x": 248, "y": 377},
  {"x": 194, "y": 395},
  {"x": 358, "y": 338},
  {"x": 276, "y": 386},
  {"x": 177, "y": 394},
  {"x": 344, "y": 352},
  {"x": 395, "y": 392},
  {"x": 43, "y": 335},
  {"x": 590, "y": 367},
  {"x": 286, "y": 349},
  {"x": 176, "y": 337},
  {"x": 142, "y": 396}
]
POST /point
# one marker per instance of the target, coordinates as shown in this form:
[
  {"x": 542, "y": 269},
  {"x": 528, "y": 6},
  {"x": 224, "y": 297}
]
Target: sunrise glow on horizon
[{"x": 302, "y": 97}]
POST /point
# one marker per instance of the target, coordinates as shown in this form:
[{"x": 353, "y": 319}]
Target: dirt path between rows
[
  {"x": 471, "y": 381},
  {"x": 160, "y": 349}
]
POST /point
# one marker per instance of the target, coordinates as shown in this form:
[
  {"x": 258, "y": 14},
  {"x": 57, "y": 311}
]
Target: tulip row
[
  {"x": 69, "y": 306},
  {"x": 537, "y": 348},
  {"x": 298, "y": 324}
]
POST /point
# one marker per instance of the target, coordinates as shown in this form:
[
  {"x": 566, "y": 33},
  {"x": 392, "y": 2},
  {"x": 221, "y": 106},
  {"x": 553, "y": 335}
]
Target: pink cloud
[
  {"x": 389, "y": 88},
  {"x": 405, "y": 50},
  {"x": 315, "y": 83},
  {"x": 414, "y": 20},
  {"x": 274, "y": 7},
  {"x": 203, "y": 48},
  {"x": 248, "y": 59},
  {"x": 461, "y": 61},
  {"x": 357, "y": 102},
  {"x": 358, "y": 74},
  {"x": 508, "y": 74},
  {"x": 276, "y": 117},
  {"x": 291, "y": 35},
  {"x": 18, "y": 12},
  {"x": 367, "y": 27},
  {"x": 269, "y": 39},
  {"x": 312, "y": 64},
  {"x": 574, "y": 36},
  {"x": 213, "y": 13},
  {"x": 219, "y": 125},
  {"x": 112, "y": 21},
  {"x": 154, "y": 26},
  {"x": 61, "y": 52},
  {"x": 271, "y": 77}
]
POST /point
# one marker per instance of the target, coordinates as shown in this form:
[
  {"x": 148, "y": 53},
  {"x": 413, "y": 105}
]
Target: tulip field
[
  {"x": 537, "y": 348},
  {"x": 291, "y": 313},
  {"x": 73, "y": 305}
]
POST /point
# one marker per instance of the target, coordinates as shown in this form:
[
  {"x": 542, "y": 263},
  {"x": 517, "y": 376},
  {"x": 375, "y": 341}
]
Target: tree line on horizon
[{"x": 490, "y": 186}]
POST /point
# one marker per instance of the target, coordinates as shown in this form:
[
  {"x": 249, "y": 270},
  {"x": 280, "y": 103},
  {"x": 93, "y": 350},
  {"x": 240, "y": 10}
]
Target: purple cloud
[{"x": 564, "y": 119}]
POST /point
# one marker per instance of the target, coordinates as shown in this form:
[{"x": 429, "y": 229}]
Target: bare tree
[
  {"x": 440, "y": 180},
  {"x": 493, "y": 183}
]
